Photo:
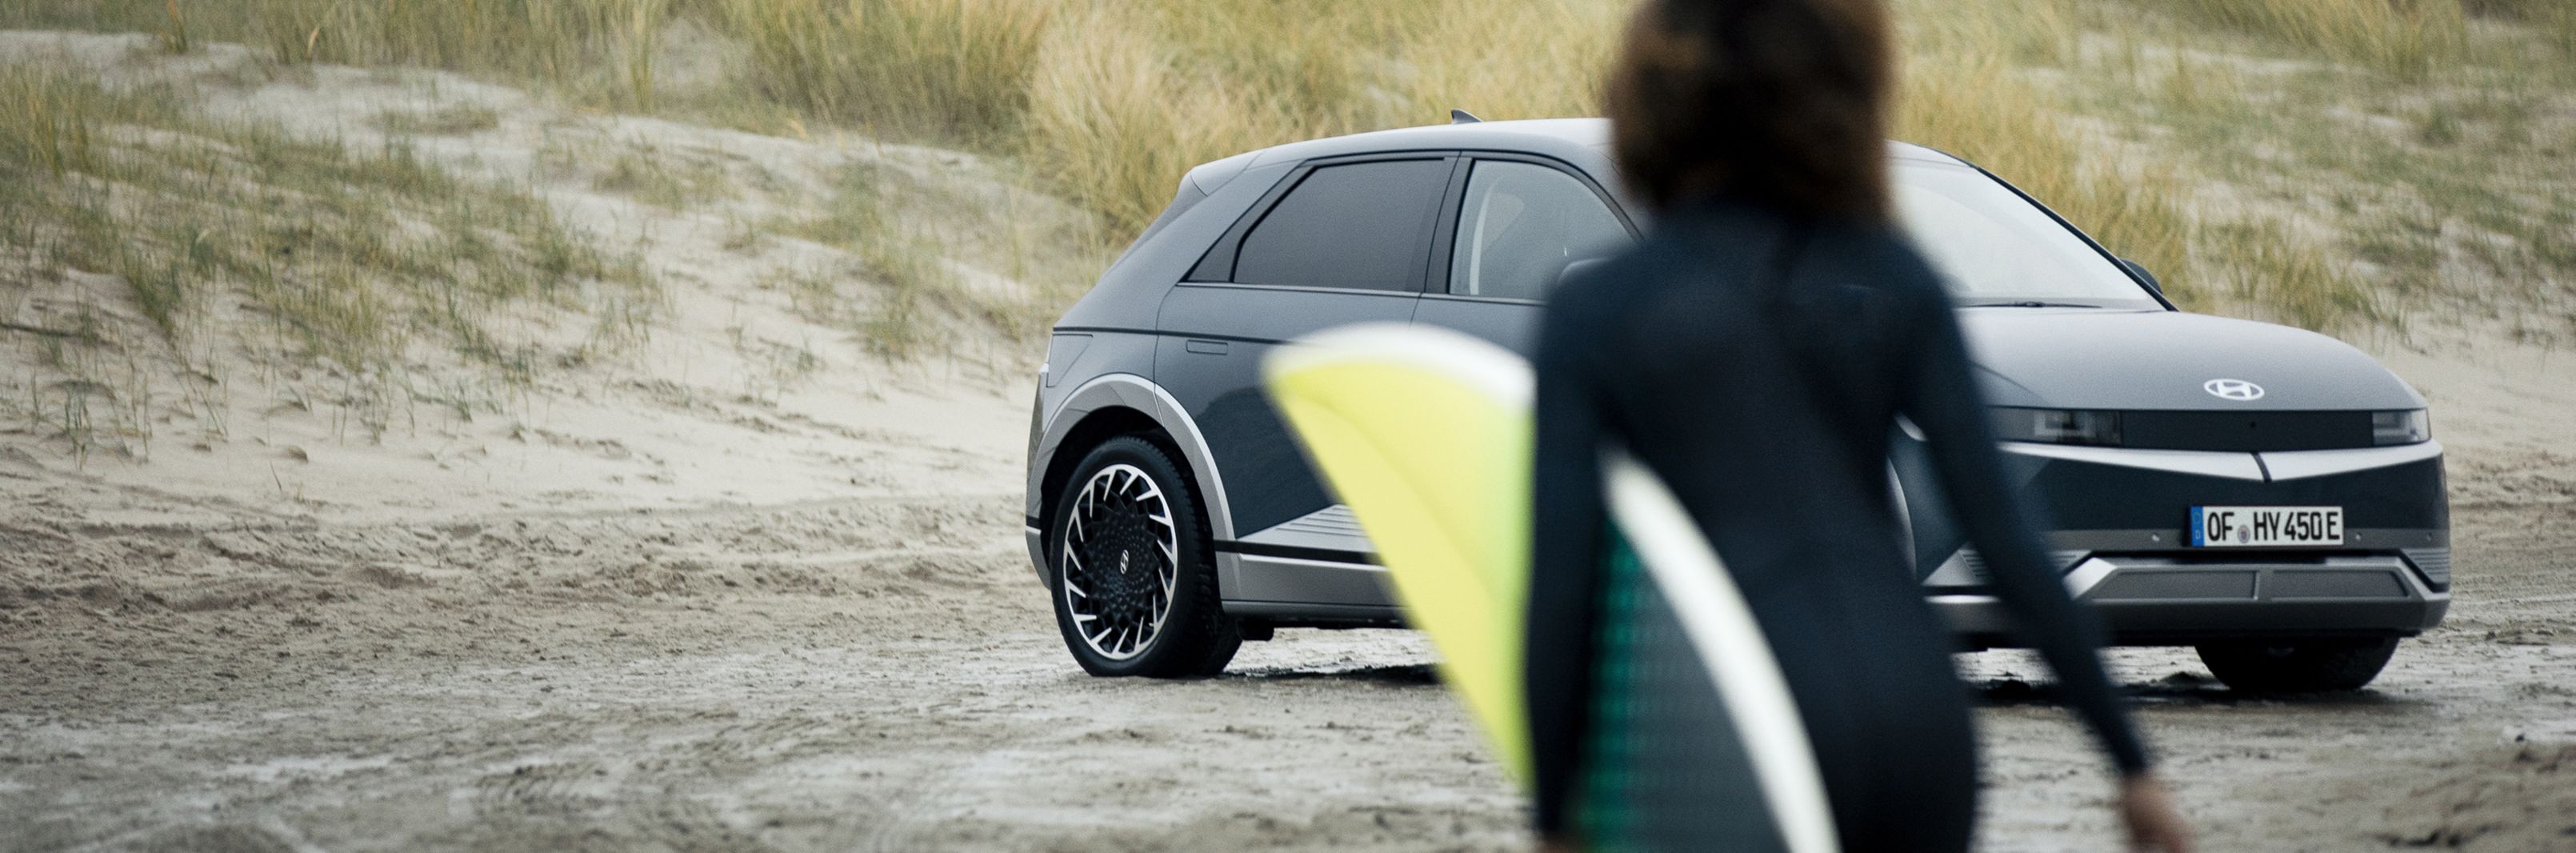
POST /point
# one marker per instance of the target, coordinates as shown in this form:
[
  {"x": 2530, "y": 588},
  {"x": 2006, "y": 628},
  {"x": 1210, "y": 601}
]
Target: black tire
[
  {"x": 2298, "y": 666},
  {"x": 1193, "y": 636}
]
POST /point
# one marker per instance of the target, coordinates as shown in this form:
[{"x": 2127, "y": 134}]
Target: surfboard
[{"x": 1426, "y": 434}]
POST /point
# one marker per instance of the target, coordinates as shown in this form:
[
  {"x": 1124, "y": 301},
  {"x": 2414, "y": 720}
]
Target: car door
[
  {"x": 1342, "y": 241},
  {"x": 1519, "y": 226}
]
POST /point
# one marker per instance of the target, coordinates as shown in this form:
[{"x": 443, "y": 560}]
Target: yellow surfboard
[{"x": 1425, "y": 434}]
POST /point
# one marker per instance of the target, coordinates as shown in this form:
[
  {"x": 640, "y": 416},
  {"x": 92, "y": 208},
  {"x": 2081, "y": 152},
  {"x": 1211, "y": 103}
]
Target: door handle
[{"x": 1205, "y": 347}]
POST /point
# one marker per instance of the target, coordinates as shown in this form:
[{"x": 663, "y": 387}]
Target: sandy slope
[
  {"x": 733, "y": 396},
  {"x": 663, "y": 610}
]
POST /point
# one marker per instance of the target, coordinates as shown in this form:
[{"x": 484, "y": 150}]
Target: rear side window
[
  {"x": 1365, "y": 226},
  {"x": 1522, "y": 225}
]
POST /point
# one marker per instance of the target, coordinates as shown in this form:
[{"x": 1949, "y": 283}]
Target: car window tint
[
  {"x": 1362, "y": 225},
  {"x": 1994, "y": 246},
  {"x": 1522, "y": 225}
]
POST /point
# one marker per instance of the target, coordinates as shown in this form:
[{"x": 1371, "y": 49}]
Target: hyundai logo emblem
[{"x": 2233, "y": 389}]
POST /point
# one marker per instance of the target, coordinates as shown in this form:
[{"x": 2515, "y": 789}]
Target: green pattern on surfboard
[{"x": 1665, "y": 767}]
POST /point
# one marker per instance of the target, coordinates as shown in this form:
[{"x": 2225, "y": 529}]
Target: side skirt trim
[{"x": 1296, "y": 552}]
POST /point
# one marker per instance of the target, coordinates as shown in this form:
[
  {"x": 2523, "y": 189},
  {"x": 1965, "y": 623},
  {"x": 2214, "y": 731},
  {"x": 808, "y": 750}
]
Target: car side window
[
  {"x": 1522, "y": 225},
  {"x": 1364, "y": 226}
]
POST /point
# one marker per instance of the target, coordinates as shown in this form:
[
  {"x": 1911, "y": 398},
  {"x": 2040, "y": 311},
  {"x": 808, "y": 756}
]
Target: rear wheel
[
  {"x": 2298, "y": 666},
  {"x": 1135, "y": 589}
]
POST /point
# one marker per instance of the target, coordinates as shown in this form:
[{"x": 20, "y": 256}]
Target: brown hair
[{"x": 1777, "y": 102}]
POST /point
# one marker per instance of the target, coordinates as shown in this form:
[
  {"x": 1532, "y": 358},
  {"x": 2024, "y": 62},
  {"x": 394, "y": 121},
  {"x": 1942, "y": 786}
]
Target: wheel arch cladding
[{"x": 1101, "y": 425}]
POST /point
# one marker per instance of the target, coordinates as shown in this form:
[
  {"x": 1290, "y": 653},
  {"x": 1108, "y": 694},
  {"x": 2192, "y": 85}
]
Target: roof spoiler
[{"x": 1459, "y": 116}]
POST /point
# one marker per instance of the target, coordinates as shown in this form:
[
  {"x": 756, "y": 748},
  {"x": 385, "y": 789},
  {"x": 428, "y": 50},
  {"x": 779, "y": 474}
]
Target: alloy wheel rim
[{"x": 1121, "y": 561}]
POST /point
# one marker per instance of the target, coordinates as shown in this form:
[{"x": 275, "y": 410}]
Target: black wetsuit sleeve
[
  {"x": 1942, "y": 399},
  {"x": 1565, "y": 555}
]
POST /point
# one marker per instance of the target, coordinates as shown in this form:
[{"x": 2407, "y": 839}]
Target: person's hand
[{"x": 2154, "y": 823}]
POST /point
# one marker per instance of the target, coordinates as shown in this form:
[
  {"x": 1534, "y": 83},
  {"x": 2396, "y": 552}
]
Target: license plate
[{"x": 2258, "y": 526}]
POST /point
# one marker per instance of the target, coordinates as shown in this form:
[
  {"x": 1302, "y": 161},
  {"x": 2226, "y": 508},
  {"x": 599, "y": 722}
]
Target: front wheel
[
  {"x": 2299, "y": 666},
  {"x": 1135, "y": 590}
]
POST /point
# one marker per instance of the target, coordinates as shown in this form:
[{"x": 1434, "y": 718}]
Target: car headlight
[
  {"x": 2058, "y": 426},
  {"x": 2405, "y": 426}
]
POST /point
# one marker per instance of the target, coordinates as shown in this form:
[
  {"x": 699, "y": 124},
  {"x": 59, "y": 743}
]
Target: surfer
[{"x": 1756, "y": 351}]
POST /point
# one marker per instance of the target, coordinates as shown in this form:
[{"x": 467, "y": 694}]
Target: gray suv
[{"x": 2268, "y": 495}]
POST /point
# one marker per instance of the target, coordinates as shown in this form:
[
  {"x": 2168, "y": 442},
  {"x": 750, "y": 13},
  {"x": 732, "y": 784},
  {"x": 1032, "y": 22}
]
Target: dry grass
[
  {"x": 2312, "y": 183},
  {"x": 954, "y": 70},
  {"x": 1109, "y": 100},
  {"x": 2166, "y": 127},
  {"x": 1130, "y": 95},
  {"x": 2346, "y": 196},
  {"x": 603, "y": 50},
  {"x": 2554, "y": 20},
  {"x": 604, "y": 47},
  {"x": 2411, "y": 37}
]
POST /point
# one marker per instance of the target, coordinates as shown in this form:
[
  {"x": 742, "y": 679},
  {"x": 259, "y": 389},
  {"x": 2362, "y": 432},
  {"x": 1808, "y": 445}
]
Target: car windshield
[{"x": 1996, "y": 248}]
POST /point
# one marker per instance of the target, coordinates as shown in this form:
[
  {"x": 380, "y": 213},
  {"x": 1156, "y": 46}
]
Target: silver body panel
[
  {"x": 2201, "y": 463},
  {"x": 2302, "y": 464},
  {"x": 1318, "y": 557},
  {"x": 1332, "y": 528},
  {"x": 1297, "y": 580}
]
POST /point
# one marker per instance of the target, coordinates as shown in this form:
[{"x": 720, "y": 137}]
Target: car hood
[{"x": 2104, "y": 359}]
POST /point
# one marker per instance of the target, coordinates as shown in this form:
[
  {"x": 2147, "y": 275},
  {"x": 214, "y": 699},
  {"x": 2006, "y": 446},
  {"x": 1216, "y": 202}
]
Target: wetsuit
[{"x": 1758, "y": 365}]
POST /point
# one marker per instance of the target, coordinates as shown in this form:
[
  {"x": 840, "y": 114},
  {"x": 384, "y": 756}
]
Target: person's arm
[
  {"x": 1565, "y": 556},
  {"x": 1942, "y": 399}
]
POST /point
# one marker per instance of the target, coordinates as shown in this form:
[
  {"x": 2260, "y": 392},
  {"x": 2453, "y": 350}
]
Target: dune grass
[
  {"x": 445, "y": 120},
  {"x": 2169, "y": 128},
  {"x": 896, "y": 253},
  {"x": 946, "y": 69},
  {"x": 2353, "y": 195},
  {"x": 602, "y": 49},
  {"x": 310, "y": 254},
  {"x": 2410, "y": 37},
  {"x": 669, "y": 180}
]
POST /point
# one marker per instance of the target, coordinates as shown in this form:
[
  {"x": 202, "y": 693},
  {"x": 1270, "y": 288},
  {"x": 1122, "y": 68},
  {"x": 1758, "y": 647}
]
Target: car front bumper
[
  {"x": 2148, "y": 600},
  {"x": 2122, "y": 542}
]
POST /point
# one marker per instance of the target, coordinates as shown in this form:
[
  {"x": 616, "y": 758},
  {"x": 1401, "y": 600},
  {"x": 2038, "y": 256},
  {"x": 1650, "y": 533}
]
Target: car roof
[
  {"x": 1567, "y": 138},
  {"x": 1533, "y": 135}
]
